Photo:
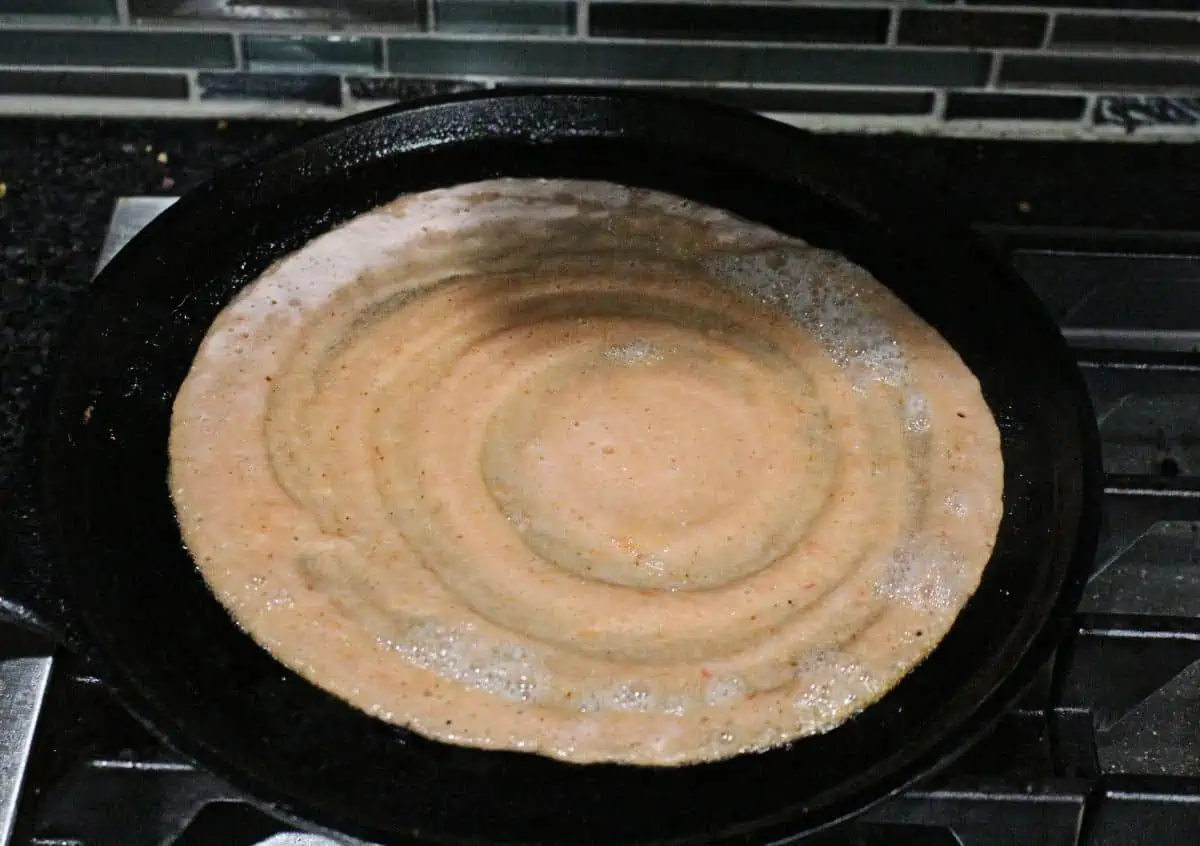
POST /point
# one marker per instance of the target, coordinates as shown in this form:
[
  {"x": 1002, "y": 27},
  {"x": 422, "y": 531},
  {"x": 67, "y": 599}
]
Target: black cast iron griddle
[{"x": 98, "y": 557}]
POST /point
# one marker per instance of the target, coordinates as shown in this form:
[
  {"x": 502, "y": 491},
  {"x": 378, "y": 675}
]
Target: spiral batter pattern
[{"x": 585, "y": 470}]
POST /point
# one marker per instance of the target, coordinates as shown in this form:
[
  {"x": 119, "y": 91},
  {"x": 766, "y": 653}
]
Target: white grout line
[
  {"x": 893, "y": 30},
  {"x": 939, "y": 105},
  {"x": 1089, "y": 110},
  {"x": 675, "y": 84},
  {"x": 583, "y": 18},
  {"x": 123, "y": 16},
  {"x": 1133, "y": 9},
  {"x": 166, "y": 70},
  {"x": 239, "y": 58},
  {"x": 116, "y": 108},
  {"x": 993, "y": 80},
  {"x": 541, "y": 38},
  {"x": 1048, "y": 35}
]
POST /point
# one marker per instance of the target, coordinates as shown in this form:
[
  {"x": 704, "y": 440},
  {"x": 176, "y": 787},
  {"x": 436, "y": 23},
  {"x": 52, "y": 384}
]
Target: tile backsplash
[{"x": 1065, "y": 67}]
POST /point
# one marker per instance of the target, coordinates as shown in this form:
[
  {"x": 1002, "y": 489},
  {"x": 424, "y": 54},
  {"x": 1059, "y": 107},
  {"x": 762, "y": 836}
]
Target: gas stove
[{"x": 1103, "y": 750}]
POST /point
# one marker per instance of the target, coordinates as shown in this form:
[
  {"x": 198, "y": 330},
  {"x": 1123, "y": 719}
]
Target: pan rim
[{"x": 996, "y": 700}]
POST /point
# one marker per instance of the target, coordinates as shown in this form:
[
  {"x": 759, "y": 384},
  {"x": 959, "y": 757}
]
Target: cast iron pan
[{"x": 122, "y": 589}]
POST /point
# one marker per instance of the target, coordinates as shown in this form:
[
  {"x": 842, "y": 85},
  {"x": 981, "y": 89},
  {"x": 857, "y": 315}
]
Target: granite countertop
[{"x": 60, "y": 178}]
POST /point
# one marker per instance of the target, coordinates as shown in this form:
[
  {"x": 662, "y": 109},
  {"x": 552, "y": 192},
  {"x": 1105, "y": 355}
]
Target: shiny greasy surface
[{"x": 592, "y": 472}]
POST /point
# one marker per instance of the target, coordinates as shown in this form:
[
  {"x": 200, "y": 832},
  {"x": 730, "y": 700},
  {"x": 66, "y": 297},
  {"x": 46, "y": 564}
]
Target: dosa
[{"x": 584, "y": 470}]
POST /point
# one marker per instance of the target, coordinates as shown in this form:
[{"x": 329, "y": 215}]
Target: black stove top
[{"x": 1104, "y": 750}]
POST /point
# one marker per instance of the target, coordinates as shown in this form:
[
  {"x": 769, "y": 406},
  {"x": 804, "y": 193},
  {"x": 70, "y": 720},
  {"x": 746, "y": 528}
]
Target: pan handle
[{"x": 30, "y": 596}]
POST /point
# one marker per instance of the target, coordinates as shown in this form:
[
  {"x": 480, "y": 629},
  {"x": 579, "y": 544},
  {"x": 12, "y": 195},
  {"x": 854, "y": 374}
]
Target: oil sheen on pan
[{"x": 587, "y": 471}]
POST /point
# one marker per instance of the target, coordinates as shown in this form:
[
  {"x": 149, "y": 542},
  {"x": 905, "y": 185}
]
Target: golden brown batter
[{"x": 583, "y": 470}]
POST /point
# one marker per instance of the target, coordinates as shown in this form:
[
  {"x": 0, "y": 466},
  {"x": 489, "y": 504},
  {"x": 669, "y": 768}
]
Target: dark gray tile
[
  {"x": 691, "y": 62},
  {"x": 1126, "y": 5},
  {"x": 319, "y": 89},
  {"x": 543, "y": 18},
  {"x": 266, "y": 52},
  {"x": 739, "y": 23},
  {"x": 153, "y": 86},
  {"x": 130, "y": 49},
  {"x": 1126, "y": 32},
  {"x": 829, "y": 101},
  {"x": 397, "y": 12},
  {"x": 971, "y": 29},
  {"x": 94, "y": 9},
  {"x": 1092, "y": 72},
  {"x": 1134, "y": 111},
  {"x": 392, "y": 88},
  {"x": 981, "y": 105}
]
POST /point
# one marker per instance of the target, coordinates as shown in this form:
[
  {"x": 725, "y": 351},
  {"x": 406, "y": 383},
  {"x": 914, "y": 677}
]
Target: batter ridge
[{"x": 584, "y": 470}]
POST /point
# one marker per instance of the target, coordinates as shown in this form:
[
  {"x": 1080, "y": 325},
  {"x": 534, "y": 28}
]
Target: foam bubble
[
  {"x": 840, "y": 683},
  {"x": 821, "y": 292},
  {"x": 722, "y": 691},
  {"x": 280, "y": 600},
  {"x": 638, "y": 351},
  {"x": 956, "y": 504},
  {"x": 508, "y": 670},
  {"x": 918, "y": 416},
  {"x": 654, "y": 565},
  {"x": 925, "y": 577},
  {"x": 674, "y": 705},
  {"x": 623, "y": 697},
  {"x": 779, "y": 279},
  {"x": 854, "y": 335},
  {"x": 520, "y": 521}
]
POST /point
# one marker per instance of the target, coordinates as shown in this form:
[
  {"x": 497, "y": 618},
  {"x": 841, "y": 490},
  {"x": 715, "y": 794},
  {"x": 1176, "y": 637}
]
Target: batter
[{"x": 587, "y": 471}]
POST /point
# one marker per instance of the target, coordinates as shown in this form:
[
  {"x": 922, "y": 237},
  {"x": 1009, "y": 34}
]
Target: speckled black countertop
[{"x": 60, "y": 178}]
